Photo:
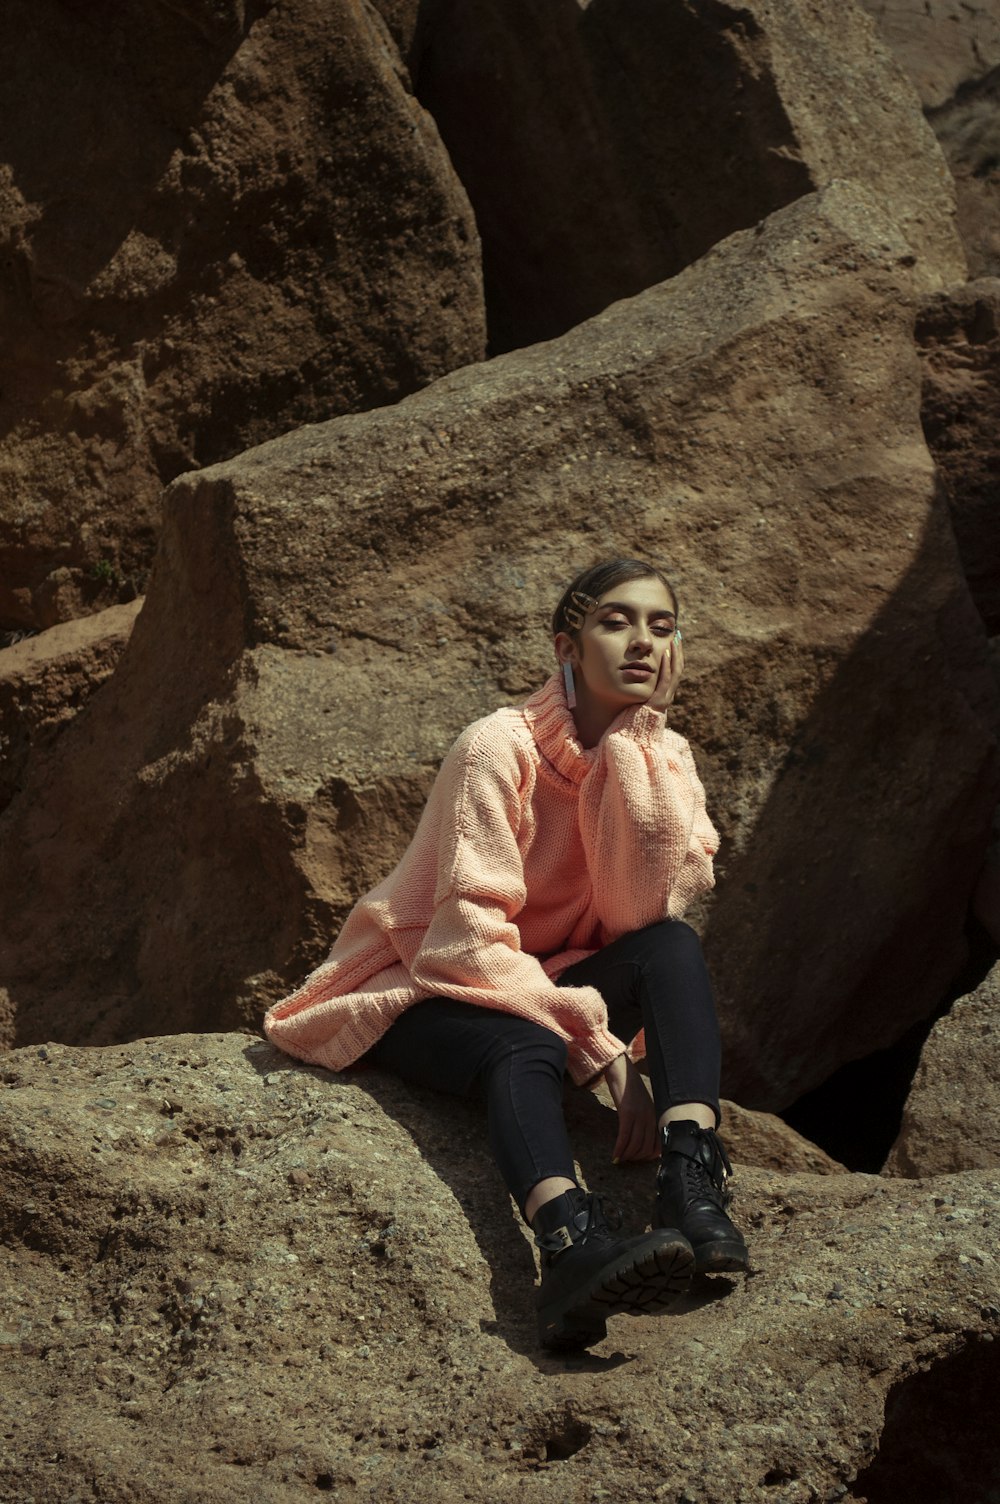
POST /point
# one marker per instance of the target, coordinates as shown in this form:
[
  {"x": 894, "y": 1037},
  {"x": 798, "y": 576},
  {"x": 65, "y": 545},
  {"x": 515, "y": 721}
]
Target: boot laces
[{"x": 702, "y": 1184}]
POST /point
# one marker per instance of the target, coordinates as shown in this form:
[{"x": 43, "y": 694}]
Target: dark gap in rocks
[
  {"x": 556, "y": 1438},
  {"x": 940, "y": 1442},
  {"x": 603, "y": 147},
  {"x": 855, "y": 1114}
]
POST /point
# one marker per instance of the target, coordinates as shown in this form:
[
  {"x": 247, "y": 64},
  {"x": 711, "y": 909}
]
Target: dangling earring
[{"x": 570, "y": 685}]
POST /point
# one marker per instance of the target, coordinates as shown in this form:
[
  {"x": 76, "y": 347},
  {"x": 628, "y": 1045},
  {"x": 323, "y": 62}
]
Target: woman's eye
[
  {"x": 615, "y": 621},
  {"x": 664, "y": 629}
]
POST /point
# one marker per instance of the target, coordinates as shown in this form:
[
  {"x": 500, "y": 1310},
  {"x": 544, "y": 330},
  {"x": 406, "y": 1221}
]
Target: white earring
[{"x": 570, "y": 685}]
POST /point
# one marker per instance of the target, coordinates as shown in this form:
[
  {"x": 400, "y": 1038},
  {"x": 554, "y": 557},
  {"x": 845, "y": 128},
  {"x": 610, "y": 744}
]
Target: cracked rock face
[
  {"x": 606, "y": 146},
  {"x": 951, "y": 50},
  {"x": 46, "y": 680},
  {"x": 329, "y": 610},
  {"x": 264, "y": 230},
  {"x": 958, "y": 335},
  {"x": 229, "y": 1272}
]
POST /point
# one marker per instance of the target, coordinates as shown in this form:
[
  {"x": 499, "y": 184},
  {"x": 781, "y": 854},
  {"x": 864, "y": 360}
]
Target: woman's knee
[
  {"x": 526, "y": 1046},
  {"x": 673, "y": 936}
]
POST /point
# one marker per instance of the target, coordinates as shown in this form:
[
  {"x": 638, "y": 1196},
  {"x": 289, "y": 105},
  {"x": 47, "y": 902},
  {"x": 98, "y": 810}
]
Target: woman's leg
[
  {"x": 656, "y": 979},
  {"x": 515, "y": 1064},
  {"x": 588, "y": 1274}
]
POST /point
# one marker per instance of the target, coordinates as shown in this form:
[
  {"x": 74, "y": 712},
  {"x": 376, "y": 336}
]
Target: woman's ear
[{"x": 566, "y": 649}]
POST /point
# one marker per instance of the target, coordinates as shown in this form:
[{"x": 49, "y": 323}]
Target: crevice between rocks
[
  {"x": 940, "y": 1443},
  {"x": 855, "y": 1114}
]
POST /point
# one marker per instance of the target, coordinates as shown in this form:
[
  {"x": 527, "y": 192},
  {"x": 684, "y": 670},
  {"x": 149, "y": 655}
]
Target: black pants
[{"x": 654, "y": 978}]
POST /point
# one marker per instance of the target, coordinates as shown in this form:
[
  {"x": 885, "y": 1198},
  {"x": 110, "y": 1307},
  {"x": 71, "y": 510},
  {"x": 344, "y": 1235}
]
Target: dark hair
[{"x": 597, "y": 581}]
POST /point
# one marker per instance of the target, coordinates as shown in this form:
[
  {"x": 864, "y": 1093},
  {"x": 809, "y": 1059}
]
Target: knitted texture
[{"x": 532, "y": 853}]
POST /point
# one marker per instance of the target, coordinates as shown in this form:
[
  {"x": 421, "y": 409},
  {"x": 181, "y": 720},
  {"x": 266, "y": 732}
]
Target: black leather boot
[
  {"x": 589, "y": 1274},
  {"x": 691, "y": 1194}
]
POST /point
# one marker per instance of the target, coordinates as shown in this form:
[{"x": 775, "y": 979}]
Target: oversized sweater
[{"x": 532, "y": 853}]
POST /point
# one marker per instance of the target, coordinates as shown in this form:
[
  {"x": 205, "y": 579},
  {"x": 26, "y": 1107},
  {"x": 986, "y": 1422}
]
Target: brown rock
[
  {"x": 942, "y": 44},
  {"x": 951, "y": 51},
  {"x": 218, "y": 1266},
  {"x": 45, "y": 680},
  {"x": 951, "y": 1120},
  {"x": 968, "y": 128},
  {"x": 958, "y": 334},
  {"x": 606, "y": 146},
  {"x": 765, "y": 1141},
  {"x": 329, "y": 610},
  {"x": 263, "y": 231}
]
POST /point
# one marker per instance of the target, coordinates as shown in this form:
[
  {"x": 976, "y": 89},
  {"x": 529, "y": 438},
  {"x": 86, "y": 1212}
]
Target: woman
[{"x": 534, "y": 924}]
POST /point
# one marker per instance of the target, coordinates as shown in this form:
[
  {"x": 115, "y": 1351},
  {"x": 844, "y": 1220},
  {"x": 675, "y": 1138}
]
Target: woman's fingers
[
  {"x": 637, "y": 1136},
  {"x": 668, "y": 677}
]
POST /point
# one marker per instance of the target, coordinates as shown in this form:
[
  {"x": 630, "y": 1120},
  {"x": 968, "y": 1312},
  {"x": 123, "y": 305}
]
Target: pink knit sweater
[{"x": 532, "y": 852}]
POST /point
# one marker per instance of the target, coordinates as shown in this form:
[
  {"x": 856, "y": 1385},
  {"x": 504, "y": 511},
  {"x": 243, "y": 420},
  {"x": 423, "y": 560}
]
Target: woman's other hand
[
  {"x": 669, "y": 676},
  {"x": 638, "y": 1137}
]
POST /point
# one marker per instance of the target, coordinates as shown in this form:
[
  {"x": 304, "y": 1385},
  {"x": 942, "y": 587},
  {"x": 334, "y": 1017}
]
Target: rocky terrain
[
  {"x": 233, "y": 1276},
  {"x": 273, "y": 529}
]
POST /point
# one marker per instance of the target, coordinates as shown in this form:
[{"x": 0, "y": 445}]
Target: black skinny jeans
[{"x": 654, "y": 978}]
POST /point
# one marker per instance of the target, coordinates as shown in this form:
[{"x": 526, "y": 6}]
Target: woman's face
[{"x": 617, "y": 653}]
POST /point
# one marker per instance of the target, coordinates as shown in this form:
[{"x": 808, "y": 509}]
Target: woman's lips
[{"x": 637, "y": 673}]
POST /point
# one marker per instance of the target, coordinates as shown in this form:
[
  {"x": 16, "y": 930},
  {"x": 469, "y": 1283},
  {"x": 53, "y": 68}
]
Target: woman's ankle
[{"x": 544, "y": 1191}]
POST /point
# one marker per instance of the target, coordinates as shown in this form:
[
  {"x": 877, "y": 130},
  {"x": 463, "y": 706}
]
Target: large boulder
[
  {"x": 46, "y": 679},
  {"x": 951, "y": 1120},
  {"x": 226, "y": 1275},
  {"x": 328, "y": 611},
  {"x": 607, "y": 145},
  {"x": 951, "y": 50},
  {"x": 943, "y": 44},
  {"x": 218, "y": 220}
]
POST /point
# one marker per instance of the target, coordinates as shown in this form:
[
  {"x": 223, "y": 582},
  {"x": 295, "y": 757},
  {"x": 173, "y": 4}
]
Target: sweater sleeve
[
  {"x": 645, "y": 830},
  {"x": 471, "y": 949}
]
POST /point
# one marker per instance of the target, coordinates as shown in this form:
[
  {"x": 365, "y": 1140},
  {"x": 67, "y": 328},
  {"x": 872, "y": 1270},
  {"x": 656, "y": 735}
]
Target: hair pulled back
[{"x": 597, "y": 580}]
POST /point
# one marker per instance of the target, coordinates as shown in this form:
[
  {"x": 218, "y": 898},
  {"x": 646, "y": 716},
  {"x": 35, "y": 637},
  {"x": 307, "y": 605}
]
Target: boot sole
[
  {"x": 730, "y": 1257},
  {"x": 721, "y": 1256},
  {"x": 650, "y": 1280}
]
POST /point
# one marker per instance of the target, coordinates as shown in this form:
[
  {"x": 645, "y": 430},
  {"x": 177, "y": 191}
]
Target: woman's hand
[
  {"x": 667, "y": 680},
  {"x": 638, "y": 1137}
]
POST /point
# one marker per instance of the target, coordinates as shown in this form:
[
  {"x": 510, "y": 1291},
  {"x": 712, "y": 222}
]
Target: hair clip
[{"x": 582, "y": 606}]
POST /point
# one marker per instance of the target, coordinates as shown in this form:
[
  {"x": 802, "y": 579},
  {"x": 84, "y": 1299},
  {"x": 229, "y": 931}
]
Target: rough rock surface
[
  {"x": 45, "y": 680},
  {"x": 951, "y": 50},
  {"x": 329, "y": 610},
  {"x": 968, "y": 128},
  {"x": 230, "y": 1276},
  {"x": 951, "y": 1120},
  {"x": 958, "y": 334},
  {"x": 606, "y": 146},
  {"x": 264, "y": 230},
  {"x": 942, "y": 44}
]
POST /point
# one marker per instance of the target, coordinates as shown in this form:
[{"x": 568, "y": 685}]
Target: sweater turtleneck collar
[{"x": 551, "y": 723}]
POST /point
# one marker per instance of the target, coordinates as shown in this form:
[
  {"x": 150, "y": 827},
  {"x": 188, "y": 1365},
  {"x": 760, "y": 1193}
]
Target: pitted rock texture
[
  {"x": 958, "y": 335},
  {"x": 219, "y": 221},
  {"x": 45, "y": 680},
  {"x": 606, "y": 146},
  {"x": 328, "y": 611},
  {"x": 227, "y": 1274},
  {"x": 951, "y": 1120}
]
